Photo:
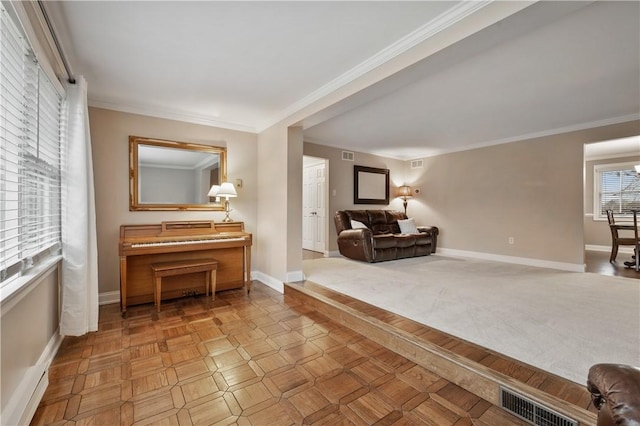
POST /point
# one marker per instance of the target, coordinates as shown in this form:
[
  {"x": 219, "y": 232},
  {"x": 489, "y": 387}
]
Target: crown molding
[
  {"x": 170, "y": 115},
  {"x": 541, "y": 134},
  {"x": 428, "y": 30},
  {"x": 544, "y": 133}
]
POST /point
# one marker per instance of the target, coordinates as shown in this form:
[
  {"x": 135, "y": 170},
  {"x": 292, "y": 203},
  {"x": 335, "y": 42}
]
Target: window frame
[
  {"x": 44, "y": 195},
  {"x": 598, "y": 169}
]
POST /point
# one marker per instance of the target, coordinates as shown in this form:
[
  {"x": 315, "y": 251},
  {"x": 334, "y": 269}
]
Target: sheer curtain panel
[{"x": 79, "y": 295}]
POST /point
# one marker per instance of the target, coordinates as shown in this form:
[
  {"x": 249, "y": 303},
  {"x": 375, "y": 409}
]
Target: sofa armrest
[
  {"x": 356, "y": 244},
  {"x": 615, "y": 391},
  {"x": 434, "y": 231}
]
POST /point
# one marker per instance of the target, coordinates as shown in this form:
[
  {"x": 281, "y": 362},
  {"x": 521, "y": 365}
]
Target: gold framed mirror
[{"x": 170, "y": 175}]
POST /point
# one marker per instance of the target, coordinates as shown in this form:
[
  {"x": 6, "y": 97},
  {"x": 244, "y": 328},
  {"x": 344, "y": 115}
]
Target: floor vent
[
  {"x": 347, "y": 155},
  {"x": 532, "y": 412}
]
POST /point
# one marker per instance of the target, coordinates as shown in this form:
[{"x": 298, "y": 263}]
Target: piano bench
[{"x": 182, "y": 267}]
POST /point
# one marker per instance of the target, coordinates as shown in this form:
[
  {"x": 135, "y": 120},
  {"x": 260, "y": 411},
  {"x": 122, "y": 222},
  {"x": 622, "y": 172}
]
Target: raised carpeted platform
[{"x": 561, "y": 322}]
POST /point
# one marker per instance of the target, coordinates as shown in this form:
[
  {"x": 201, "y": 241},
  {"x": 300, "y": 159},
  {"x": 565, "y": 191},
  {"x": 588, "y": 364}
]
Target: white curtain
[{"x": 79, "y": 293}]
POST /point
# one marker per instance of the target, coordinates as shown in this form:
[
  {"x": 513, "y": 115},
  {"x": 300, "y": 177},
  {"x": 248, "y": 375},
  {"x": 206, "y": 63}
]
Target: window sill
[{"x": 15, "y": 290}]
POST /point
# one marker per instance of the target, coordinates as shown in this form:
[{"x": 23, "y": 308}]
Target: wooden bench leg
[
  {"x": 213, "y": 284},
  {"x": 170, "y": 269},
  {"x": 157, "y": 293}
]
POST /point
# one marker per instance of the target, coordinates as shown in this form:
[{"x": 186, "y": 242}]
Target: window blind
[
  {"x": 619, "y": 189},
  {"x": 30, "y": 108}
]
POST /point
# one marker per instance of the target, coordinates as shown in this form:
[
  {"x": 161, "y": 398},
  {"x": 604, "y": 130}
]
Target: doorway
[
  {"x": 314, "y": 204},
  {"x": 609, "y": 177}
]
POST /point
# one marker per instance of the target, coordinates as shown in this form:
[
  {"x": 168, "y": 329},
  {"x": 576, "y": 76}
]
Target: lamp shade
[
  {"x": 227, "y": 190},
  {"x": 637, "y": 167},
  {"x": 404, "y": 191},
  {"x": 213, "y": 192}
]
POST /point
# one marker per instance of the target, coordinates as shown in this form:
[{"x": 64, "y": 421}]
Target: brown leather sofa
[
  {"x": 381, "y": 239},
  {"x": 615, "y": 391}
]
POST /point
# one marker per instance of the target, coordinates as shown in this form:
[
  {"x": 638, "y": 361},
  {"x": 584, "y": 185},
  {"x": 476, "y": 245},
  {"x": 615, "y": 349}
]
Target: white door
[
  {"x": 319, "y": 242},
  {"x": 314, "y": 207},
  {"x": 308, "y": 218}
]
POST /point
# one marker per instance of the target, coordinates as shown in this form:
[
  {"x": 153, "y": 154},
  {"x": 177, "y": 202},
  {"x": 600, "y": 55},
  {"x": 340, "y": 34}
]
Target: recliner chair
[{"x": 615, "y": 392}]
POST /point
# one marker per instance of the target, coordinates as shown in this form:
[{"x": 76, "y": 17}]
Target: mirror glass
[{"x": 169, "y": 175}]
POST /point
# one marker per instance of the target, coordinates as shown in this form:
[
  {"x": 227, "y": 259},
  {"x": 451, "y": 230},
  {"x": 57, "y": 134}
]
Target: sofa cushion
[
  {"x": 383, "y": 241},
  {"x": 403, "y": 253},
  {"x": 405, "y": 240},
  {"x": 377, "y": 217},
  {"x": 378, "y": 221},
  {"x": 392, "y": 220},
  {"x": 423, "y": 239},
  {"x": 422, "y": 250}
]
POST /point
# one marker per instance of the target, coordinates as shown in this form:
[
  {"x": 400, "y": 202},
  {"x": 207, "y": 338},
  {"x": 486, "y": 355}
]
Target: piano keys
[{"x": 142, "y": 245}]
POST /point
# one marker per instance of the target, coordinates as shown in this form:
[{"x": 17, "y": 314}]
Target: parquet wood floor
[
  {"x": 266, "y": 359},
  {"x": 537, "y": 381}
]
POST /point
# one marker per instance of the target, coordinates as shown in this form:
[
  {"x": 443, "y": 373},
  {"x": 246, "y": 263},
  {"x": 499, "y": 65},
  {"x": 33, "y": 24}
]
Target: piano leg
[
  {"x": 123, "y": 284},
  {"x": 247, "y": 275}
]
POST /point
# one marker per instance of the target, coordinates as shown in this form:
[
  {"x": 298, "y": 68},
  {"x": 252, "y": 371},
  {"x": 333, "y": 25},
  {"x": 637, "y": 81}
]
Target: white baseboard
[
  {"x": 294, "y": 276},
  {"x": 269, "y": 281},
  {"x": 109, "y": 297},
  {"x": 24, "y": 401},
  {"x": 607, "y": 249},
  {"x": 571, "y": 267}
]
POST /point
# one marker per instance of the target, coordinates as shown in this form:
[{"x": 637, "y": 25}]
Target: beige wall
[
  {"x": 110, "y": 132},
  {"x": 530, "y": 190},
  {"x": 295, "y": 148},
  {"x": 278, "y": 256},
  {"x": 597, "y": 233},
  {"x": 29, "y": 323},
  {"x": 341, "y": 181},
  {"x": 279, "y": 160}
]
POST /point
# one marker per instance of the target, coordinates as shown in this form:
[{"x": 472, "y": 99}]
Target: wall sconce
[
  {"x": 227, "y": 190},
  {"x": 404, "y": 192}
]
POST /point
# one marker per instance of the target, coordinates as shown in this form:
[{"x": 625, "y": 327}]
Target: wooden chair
[
  {"x": 616, "y": 240},
  {"x": 636, "y": 258}
]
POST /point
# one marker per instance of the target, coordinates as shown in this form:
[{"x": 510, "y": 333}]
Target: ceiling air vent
[
  {"x": 416, "y": 164},
  {"x": 347, "y": 155},
  {"x": 532, "y": 412}
]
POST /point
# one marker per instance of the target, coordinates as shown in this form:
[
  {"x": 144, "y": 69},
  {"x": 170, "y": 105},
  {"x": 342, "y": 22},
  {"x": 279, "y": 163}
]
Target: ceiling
[{"x": 552, "y": 67}]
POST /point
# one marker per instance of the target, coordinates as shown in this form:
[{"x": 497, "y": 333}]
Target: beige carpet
[{"x": 561, "y": 322}]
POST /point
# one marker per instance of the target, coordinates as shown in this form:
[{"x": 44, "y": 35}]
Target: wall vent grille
[
  {"x": 532, "y": 412},
  {"x": 416, "y": 164},
  {"x": 347, "y": 155}
]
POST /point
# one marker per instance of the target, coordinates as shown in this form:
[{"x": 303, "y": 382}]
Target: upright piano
[{"x": 142, "y": 245}]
